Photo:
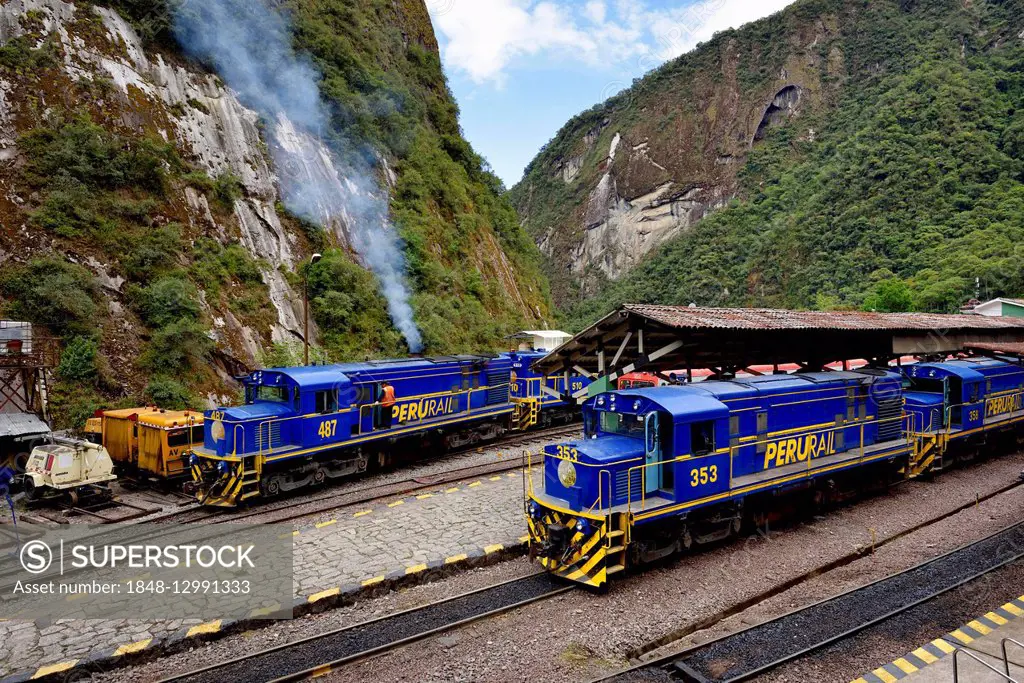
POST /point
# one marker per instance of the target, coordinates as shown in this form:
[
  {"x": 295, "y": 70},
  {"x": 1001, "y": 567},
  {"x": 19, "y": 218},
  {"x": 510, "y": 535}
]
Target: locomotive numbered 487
[
  {"x": 662, "y": 469},
  {"x": 307, "y": 425}
]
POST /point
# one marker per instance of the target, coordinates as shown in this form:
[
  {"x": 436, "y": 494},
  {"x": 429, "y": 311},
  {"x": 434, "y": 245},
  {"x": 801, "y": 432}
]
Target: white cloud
[
  {"x": 596, "y": 11},
  {"x": 483, "y": 38}
]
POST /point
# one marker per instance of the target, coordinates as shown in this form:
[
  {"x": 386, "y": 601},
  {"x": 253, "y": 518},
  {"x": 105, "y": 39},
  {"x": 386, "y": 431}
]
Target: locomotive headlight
[
  {"x": 636, "y": 405},
  {"x": 217, "y": 430},
  {"x": 222, "y": 467},
  {"x": 566, "y": 473}
]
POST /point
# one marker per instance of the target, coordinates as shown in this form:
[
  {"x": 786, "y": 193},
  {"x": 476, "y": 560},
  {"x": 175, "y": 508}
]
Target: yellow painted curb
[
  {"x": 54, "y": 668},
  {"x": 316, "y": 597},
  {"x": 208, "y": 627},
  {"x": 129, "y": 648}
]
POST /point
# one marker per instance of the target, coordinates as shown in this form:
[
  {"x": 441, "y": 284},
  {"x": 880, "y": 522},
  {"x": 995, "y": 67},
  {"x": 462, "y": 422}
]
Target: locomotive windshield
[
  {"x": 277, "y": 394},
  {"x": 928, "y": 385},
  {"x": 620, "y": 423}
]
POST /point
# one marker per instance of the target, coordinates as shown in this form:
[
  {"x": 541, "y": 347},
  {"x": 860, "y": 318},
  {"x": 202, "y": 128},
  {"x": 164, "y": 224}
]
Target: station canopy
[{"x": 663, "y": 339}]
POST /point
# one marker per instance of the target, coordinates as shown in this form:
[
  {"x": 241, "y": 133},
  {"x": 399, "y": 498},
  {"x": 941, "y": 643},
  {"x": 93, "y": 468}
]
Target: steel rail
[
  {"x": 678, "y": 659},
  {"x": 814, "y": 572},
  {"x": 248, "y": 668},
  {"x": 198, "y": 513}
]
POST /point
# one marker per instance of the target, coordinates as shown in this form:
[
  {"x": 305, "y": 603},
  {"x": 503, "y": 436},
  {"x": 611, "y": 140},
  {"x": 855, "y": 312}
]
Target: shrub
[
  {"x": 68, "y": 209},
  {"x": 227, "y": 189},
  {"x": 78, "y": 360},
  {"x": 167, "y": 300},
  {"x": 177, "y": 347},
  {"x": 78, "y": 148},
  {"x": 19, "y": 55},
  {"x": 72, "y": 403},
  {"x": 52, "y": 292},
  {"x": 289, "y": 354},
  {"x": 168, "y": 393},
  {"x": 155, "y": 252}
]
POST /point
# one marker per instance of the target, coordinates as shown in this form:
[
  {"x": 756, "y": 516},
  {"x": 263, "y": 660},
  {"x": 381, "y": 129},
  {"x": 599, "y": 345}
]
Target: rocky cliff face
[
  {"x": 147, "y": 173},
  {"x": 149, "y": 92},
  {"x": 871, "y": 155},
  {"x": 647, "y": 165}
]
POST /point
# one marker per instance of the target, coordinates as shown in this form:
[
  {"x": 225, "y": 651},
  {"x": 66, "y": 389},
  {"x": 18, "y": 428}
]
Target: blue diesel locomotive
[
  {"x": 661, "y": 469},
  {"x": 307, "y": 425}
]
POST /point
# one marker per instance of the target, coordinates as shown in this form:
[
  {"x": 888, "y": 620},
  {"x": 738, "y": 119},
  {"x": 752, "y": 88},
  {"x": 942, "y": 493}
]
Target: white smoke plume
[{"x": 326, "y": 177}]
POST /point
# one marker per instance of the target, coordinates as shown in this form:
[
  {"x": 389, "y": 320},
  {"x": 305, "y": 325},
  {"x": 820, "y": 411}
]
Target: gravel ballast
[
  {"x": 579, "y": 636},
  {"x": 748, "y": 651},
  {"x": 359, "y": 639}
]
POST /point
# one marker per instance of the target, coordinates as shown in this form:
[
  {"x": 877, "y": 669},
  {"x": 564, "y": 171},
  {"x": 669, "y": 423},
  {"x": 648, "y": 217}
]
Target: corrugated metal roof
[
  {"x": 19, "y": 424},
  {"x": 772, "y": 319},
  {"x": 995, "y": 347}
]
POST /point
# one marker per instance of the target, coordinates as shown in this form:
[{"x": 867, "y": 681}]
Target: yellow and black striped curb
[
  {"x": 929, "y": 653},
  {"x": 454, "y": 488},
  {"x": 109, "y": 658}
]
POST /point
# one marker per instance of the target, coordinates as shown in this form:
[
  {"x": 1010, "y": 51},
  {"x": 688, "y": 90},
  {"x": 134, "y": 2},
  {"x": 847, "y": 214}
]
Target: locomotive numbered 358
[
  {"x": 307, "y": 425},
  {"x": 661, "y": 469}
]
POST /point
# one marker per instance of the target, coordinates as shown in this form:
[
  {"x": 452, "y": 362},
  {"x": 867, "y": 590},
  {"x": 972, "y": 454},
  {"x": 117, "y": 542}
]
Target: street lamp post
[{"x": 305, "y": 309}]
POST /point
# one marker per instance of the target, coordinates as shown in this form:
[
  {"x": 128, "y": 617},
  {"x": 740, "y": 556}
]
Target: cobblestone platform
[{"x": 354, "y": 547}]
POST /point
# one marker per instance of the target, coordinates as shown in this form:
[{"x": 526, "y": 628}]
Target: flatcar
[
  {"x": 662, "y": 469},
  {"x": 308, "y": 425}
]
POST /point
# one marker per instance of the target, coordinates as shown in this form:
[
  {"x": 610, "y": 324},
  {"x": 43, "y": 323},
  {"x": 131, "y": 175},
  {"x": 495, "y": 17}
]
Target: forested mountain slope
[
  {"x": 849, "y": 154},
  {"x": 141, "y": 218}
]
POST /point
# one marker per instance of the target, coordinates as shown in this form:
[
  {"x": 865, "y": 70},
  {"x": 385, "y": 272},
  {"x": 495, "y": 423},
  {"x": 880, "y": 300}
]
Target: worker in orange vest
[{"x": 387, "y": 405}]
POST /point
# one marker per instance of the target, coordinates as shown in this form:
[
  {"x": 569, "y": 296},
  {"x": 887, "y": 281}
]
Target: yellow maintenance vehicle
[{"x": 149, "y": 442}]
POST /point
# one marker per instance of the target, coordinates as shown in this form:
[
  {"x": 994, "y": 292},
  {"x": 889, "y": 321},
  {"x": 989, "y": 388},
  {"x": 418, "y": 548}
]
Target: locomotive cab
[{"x": 635, "y": 444}]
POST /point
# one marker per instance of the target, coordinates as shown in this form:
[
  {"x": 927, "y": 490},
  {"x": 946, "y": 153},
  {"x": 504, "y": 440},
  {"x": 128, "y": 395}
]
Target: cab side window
[
  {"x": 327, "y": 401},
  {"x": 702, "y": 438}
]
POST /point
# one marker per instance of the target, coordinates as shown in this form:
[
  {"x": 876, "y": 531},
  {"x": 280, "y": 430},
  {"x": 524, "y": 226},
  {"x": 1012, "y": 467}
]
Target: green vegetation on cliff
[
  {"x": 108, "y": 241},
  {"x": 382, "y": 78},
  {"x": 910, "y": 186}
]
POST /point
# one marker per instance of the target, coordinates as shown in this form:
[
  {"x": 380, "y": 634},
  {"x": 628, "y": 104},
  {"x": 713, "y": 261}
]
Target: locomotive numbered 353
[{"x": 662, "y": 469}]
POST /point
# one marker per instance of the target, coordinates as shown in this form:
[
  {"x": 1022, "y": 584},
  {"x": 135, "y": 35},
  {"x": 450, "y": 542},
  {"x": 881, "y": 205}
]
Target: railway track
[
  {"x": 745, "y": 654},
  {"x": 321, "y": 654},
  {"x": 301, "y": 506}
]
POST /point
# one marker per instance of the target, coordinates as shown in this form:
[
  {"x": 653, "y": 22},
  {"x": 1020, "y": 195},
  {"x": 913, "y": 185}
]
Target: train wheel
[
  {"x": 273, "y": 486},
  {"x": 320, "y": 476},
  {"x": 73, "y": 496}
]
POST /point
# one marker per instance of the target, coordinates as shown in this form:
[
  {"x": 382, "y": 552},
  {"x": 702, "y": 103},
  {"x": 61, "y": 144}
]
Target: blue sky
[{"x": 522, "y": 68}]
